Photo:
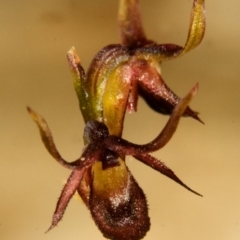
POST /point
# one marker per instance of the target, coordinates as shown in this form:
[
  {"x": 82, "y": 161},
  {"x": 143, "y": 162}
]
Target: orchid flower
[
  {"x": 119, "y": 71},
  {"x": 116, "y": 202},
  {"x": 109, "y": 88}
]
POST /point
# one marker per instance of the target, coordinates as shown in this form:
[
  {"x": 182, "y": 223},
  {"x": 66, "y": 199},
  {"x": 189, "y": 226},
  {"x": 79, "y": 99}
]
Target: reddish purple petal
[
  {"x": 162, "y": 168},
  {"x": 67, "y": 193}
]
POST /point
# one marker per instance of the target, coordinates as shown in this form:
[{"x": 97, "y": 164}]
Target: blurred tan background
[{"x": 34, "y": 39}]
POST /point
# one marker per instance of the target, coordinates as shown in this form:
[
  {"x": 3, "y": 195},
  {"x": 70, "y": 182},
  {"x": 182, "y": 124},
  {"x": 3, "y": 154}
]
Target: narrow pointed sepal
[
  {"x": 79, "y": 82},
  {"x": 47, "y": 139},
  {"x": 131, "y": 29},
  {"x": 163, "y": 52},
  {"x": 67, "y": 193},
  {"x": 162, "y": 168},
  {"x": 197, "y": 26}
]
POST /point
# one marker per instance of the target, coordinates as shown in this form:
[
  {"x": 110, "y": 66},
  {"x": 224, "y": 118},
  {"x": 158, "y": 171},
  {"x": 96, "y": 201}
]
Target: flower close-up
[
  {"x": 119, "y": 120},
  {"x": 119, "y": 209},
  {"x": 116, "y": 76},
  {"x": 120, "y": 71}
]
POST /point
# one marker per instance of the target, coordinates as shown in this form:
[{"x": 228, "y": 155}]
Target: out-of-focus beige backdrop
[{"x": 34, "y": 39}]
